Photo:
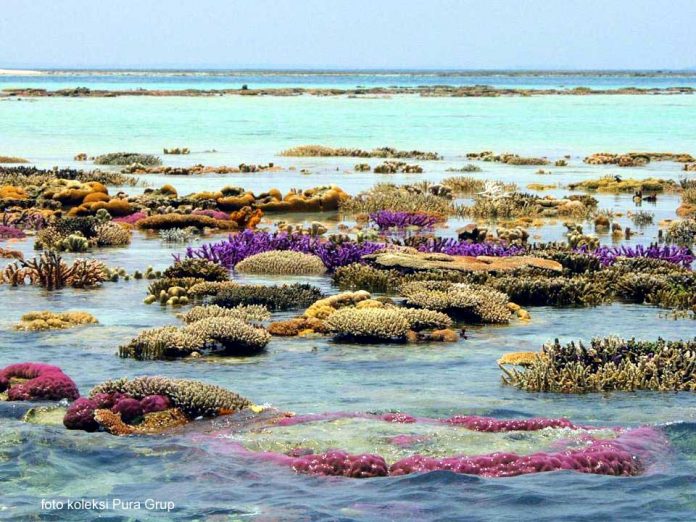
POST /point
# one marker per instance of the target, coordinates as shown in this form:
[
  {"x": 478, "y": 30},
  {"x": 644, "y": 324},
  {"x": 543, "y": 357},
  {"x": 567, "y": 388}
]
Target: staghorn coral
[
  {"x": 682, "y": 233},
  {"x": 194, "y": 398},
  {"x": 357, "y": 276},
  {"x": 46, "y": 320},
  {"x": 52, "y": 273},
  {"x": 473, "y": 302},
  {"x": 37, "y": 381},
  {"x": 385, "y": 219},
  {"x": 250, "y": 313},
  {"x": 282, "y": 262},
  {"x": 197, "y": 268},
  {"x": 609, "y": 364}
]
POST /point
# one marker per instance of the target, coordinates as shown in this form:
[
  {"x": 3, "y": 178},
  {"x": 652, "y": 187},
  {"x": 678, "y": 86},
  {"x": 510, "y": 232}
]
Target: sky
[{"x": 348, "y": 34}]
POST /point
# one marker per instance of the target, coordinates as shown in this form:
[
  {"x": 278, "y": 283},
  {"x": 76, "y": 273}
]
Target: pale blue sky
[{"x": 464, "y": 34}]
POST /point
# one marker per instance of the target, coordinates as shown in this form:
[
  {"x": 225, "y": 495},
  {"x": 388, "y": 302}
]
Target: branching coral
[
  {"x": 386, "y": 219},
  {"x": 194, "y": 398},
  {"x": 166, "y": 342},
  {"x": 386, "y": 196},
  {"x": 112, "y": 234},
  {"x": 36, "y": 381},
  {"x": 250, "y": 313},
  {"x": 473, "y": 302},
  {"x": 609, "y": 364},
  {"x": 51, "y": 272},
  {"x": 198, "y": 268},
  {"x": 381, "y": 324},
  {"x": 229, "y": 336},
  {"x": 172, "y": 220},
  {"x": 54, "y": 320},
  {"x": 282, "y": 262},
  {"x": 283, "y": 297}
]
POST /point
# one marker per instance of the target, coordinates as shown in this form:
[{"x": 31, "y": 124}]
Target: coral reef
[
  {"x": 282, "y": 262},
  {"x": 126, "y": 158},
  {"x": 608, "y": 364},
  {"x": 36, "y": 381},
  {"x": 197, "y": 268},
  {"x": 384, "y": 152},
  {"x": 52, "y": 273},
  {"x": 250, "y": 313},
  {"x": 473, "y": 302},
  {"x": 283, "y": 297},
  {"x": 510, "y": 159},
  {"x": 386, "y": 219},
  {"x": 365, "y": 324},
  {"x": 618, "y": 184},
  {"x": 46, "y": 320},
  {"x": 635, "y": 159}
]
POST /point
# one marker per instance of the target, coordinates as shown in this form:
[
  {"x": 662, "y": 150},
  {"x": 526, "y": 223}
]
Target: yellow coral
[{"x": 45, "y": 320}]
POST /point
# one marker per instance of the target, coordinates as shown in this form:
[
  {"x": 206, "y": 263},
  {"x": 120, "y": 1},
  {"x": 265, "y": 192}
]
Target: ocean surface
[{"x": 317, "y": 375}]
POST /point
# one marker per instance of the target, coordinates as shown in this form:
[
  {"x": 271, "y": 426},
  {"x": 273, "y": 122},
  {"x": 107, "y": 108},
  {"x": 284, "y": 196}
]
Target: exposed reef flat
[{"x": 436, "y": 91}]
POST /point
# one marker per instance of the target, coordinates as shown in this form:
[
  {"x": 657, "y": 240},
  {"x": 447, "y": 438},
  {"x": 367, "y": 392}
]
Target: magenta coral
[
  {"x": 80, "y": 415},
  {"x": 340, "y": 463},
  {"x": 398, "y": 417},
  {"x": 44, "y": 382},
  {"x": 131, "y": 219},
  {"x": 129, "y": 409},
  {"x": 153, "y": 403},
  {"x": 215, "y": 214},
  {"x": 10, "y": 232},
  {"x": 489, "y": 424}
]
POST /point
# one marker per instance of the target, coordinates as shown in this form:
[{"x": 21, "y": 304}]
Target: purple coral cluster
[
  {"x": 674, "y": 254},
  {"x": 10, "y": 232},
  {"x": 454, "y": 247},
  {"x": 490, "y": 424},
  {"x": 80, "y": 414},
  {"x": 340, "y": 463},
  {"x": 215, "y": 214},
  {"x": 601, "y": 458},
  {"x": 131, "y": 219},
  {"x": 385, "y": 219},
  {"x": 44, "y": 382},
  {"x": 247, "y": 243}
]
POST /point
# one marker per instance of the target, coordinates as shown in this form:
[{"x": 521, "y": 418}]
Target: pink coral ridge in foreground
[{"x": 44, "y": 382}]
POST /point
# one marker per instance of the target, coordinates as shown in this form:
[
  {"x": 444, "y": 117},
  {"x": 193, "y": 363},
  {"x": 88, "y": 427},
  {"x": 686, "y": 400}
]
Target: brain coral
[{"x": 282, "y": 262}]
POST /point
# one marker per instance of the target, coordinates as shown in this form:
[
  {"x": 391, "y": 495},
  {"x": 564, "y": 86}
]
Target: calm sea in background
[{"x": 317, "y": 375}]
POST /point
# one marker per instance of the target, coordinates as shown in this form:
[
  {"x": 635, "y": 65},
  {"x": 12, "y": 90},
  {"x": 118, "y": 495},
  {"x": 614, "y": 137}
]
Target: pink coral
[
  {"x": 398, "y": 417},
  {"x": 153, "y": 403},
  {"x": 489, "y": 424},
  {"x": 340, "y": 463},
  {"x": 80, "y": 415},
  {"x": 44, "y": 382},
  {"x": 131, "y": 219},
  {"x": 129, "y": 409}
]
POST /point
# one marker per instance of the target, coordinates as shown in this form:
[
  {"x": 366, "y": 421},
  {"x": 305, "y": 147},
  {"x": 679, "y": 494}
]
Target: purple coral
[
  {"x": 489, "y": 424},
  {"x": 215, "y": 214},
  {"x": 674, "y": 254},
  {"x": 129, "y": 409},
  {"x": 80, "y": 415},
  {"x": 153, "y": 403},
  {"x": 385, "y": 219},
  {"x": 131, "y": 219},
  {"x": 44, "y": 382},
  {"x": 10, "y": 232},
  {"x": 454, "y": 247},
  {"x": 340, "y": 463},
  {"x": 247, "y": 243}
]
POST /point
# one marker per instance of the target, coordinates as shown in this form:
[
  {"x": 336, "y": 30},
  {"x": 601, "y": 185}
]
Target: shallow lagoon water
[{"x": 314, "y": 375}]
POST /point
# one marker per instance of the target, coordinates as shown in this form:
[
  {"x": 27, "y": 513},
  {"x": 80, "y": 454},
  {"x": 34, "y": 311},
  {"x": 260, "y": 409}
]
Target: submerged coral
[
  {"x": 282, "y": 262},
  {"x": 54, "y": 320},
  {"x": 36, "y": 381},
  {"x": 608, "y": 364}
]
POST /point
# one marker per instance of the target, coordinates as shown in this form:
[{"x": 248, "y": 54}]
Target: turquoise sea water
[{"x": 317, "y": 375}]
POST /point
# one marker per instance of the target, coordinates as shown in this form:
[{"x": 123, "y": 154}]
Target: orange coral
[{"x": 12, "y": 192}]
